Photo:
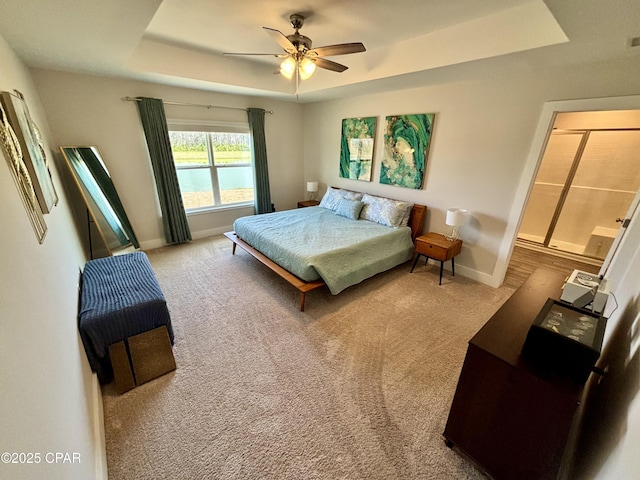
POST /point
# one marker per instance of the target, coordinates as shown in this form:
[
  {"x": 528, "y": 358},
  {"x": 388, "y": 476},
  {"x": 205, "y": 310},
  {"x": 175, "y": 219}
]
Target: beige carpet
[{"x": 357, "y": 387}]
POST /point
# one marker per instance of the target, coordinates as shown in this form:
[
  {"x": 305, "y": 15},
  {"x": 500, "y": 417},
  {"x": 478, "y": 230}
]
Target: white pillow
[
  {"x": 392, "y": 213},
  {"x": 332, "y": 198}
]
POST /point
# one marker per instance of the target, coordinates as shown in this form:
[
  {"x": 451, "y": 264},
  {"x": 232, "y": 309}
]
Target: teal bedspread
[{"x": 315, "y": 243}]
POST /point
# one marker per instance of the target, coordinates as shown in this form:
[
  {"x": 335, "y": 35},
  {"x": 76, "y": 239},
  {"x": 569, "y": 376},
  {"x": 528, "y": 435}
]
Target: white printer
[{"x": 586, "y": 290}]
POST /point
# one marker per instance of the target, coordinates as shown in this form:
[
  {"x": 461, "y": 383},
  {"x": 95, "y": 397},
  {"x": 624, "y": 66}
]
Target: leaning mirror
[{"x": 100, "y": 196}]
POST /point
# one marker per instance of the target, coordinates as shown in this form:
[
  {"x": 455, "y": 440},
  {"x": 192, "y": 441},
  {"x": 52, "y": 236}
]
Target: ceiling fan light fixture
[
  {"x": 301, "y": 60},
  {"x": 307, "y": 67},
  {"x": 288, "y": 68}
]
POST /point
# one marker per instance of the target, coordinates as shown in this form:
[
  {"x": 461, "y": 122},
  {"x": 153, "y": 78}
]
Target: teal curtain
[
  {"x": 262, "y": 197},
  {"x": 154, "y": 123}
]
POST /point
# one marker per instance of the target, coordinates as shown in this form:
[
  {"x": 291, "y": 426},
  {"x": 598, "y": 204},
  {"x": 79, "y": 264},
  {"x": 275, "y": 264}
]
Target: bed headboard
[{"x": 416, "y": 218}]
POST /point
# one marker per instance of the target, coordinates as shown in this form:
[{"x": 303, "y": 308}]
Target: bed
[{"x": 349, "y": 237}]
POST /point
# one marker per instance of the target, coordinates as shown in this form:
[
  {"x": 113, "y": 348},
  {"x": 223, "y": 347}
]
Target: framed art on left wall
[
  {"x": 33, "y": 151},
  {"x": 21, "y": 176}
]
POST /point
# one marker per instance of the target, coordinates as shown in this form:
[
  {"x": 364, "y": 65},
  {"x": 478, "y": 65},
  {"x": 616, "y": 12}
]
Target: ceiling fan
[{"x": 299, "y": 58}]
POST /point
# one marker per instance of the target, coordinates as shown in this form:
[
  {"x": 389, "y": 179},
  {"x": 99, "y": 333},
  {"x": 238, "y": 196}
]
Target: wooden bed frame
[{"x": 416, "y": 223}]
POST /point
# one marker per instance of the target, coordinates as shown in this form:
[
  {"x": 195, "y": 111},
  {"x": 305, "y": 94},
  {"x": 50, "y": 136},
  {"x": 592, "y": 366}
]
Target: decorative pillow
[
  {"x": 333, "y": 196},
  {"x": 392, "y": 213},
  {"x": 349, "y": 208},
  {"x": 405, "y": 219},
  {"x": 330, "y": 199}
]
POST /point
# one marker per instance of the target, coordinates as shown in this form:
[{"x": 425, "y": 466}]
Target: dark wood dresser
[{"x": 508, "y": 417}]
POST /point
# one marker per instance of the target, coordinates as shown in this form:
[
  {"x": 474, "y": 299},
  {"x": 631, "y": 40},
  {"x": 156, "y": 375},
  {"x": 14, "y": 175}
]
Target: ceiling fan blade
[
  {"x": 263, "y": 54},
  {"x": 328, "y": 64},
  {"x": 280, "y": 39},
  {"x": 339, "y": 49}
]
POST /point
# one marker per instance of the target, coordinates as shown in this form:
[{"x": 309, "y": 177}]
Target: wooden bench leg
[{"x": 233, "y": 249}]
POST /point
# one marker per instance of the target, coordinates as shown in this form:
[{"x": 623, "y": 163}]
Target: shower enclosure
[{"x": 586, "y": 182}]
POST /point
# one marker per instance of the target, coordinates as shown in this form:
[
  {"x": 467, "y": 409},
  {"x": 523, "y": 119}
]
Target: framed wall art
[
  {"x": 33, "y": 151},
  {"x": 21, "y": 176},
  {"x": 406, "y": 147},
  {"x": 356, "y": 148}
]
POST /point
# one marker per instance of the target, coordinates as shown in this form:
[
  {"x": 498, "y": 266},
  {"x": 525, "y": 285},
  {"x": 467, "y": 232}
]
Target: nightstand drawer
[{"x": 432, "y": 251}]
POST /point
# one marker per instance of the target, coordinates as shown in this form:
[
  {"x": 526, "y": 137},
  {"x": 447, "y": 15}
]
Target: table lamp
[
  {"x": 312, "y": 188},
  {"x": 456, "y": 217}
]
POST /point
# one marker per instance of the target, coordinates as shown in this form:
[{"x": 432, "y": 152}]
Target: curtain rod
[{"x": 182, "y": 104}]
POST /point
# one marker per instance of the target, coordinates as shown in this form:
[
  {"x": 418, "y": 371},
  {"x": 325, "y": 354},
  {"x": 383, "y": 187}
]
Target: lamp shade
[
  {"x": 288, "y": 68},
  {"x": 312, "y": 186},
  {"x": 307, "y": 67},
  {"x": 456, "y": 217}
]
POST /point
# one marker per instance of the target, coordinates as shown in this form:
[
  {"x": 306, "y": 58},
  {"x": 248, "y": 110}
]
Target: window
[{"x": 213, "y": 163}]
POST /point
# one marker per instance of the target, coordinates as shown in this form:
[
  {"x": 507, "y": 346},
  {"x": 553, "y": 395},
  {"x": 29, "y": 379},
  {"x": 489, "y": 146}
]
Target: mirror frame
[{"x": 100, "y": 197}]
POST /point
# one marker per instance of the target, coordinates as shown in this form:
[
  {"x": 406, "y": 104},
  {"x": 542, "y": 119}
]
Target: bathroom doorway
[{"x": 588, "y": 178}]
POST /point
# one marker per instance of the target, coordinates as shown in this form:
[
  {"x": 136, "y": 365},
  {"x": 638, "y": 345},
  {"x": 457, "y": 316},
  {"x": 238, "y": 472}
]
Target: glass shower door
[
  {"x": 550, "y": 184},
  {"x": 606, "y": 180}
]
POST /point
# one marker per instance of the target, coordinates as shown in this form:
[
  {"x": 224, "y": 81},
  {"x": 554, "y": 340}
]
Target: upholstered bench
[{"x": 120, "y": 298}]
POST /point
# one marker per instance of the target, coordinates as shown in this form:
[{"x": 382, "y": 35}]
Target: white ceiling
[{"x": 409, "y": 42}]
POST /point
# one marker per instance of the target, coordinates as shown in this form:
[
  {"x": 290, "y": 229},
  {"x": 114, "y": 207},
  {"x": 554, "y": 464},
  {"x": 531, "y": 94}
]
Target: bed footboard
[{"x": 301, "y": 285}]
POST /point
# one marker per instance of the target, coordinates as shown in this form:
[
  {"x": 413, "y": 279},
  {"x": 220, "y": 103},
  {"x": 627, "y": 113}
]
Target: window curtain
[
  {"x": 262, "y": 197},
  {"x": 154, "y": 123}
]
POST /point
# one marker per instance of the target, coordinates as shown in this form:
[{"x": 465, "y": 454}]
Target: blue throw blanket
[{"x": 120, "y": 298}]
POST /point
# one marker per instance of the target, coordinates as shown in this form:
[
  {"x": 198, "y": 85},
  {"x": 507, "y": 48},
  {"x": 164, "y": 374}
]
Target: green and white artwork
[
  {"x": 356, "y": 148},
  {"x": 406, "y": 146}
]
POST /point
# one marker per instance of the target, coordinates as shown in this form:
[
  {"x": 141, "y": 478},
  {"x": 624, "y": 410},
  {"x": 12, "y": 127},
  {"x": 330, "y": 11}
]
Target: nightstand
[
  {"x": 308, "y": 203},
  {"x": 436, "y": 246}
]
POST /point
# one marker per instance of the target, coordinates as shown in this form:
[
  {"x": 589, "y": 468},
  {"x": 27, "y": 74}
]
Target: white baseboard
[
  {"x": 99, "y": 441},
  {"x": 151, "y": 244},
  {"x": 478, "y": 276},
  {"x": 158, "y": 242},
  {"x": 211, "y": 232},
  {"x": 468, "y": 272}
]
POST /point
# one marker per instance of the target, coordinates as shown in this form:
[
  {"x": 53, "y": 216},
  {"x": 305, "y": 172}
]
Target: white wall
[
  {"x": 483, "y": 131},
  {"x": 91, "y": 110},
  {"x": 50, "y": 401}
]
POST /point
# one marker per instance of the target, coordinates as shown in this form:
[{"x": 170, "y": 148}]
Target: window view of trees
[{"x": 214, "y": 168}]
